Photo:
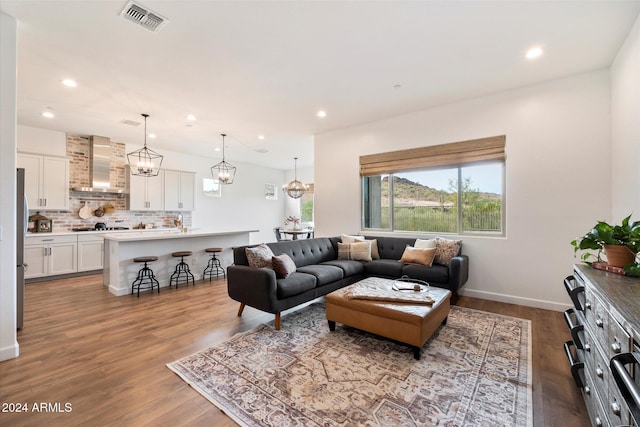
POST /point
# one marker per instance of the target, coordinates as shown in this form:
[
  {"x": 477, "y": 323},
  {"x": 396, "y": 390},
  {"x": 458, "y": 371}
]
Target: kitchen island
[{"x": 120, "y": 249}]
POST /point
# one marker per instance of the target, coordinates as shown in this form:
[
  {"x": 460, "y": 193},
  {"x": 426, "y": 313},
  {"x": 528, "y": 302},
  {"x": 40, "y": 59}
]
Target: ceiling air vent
[{"x": 138, "y": 14}]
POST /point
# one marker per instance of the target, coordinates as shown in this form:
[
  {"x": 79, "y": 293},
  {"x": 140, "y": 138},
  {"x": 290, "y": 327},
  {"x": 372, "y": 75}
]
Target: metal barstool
[
  {"x": 213, "y": 266},
  {"x": 182, "y": 272},
  {"x": 146, "y": 279}
]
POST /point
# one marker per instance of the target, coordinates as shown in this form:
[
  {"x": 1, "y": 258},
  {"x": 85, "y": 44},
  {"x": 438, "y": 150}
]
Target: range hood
[{"x": 99, "y": 167}]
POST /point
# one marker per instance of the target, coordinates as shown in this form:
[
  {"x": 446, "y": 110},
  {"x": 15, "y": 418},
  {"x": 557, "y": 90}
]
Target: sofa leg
[
  {"x": 241, "y": 309},
  {"x": 277, "y": 321}
]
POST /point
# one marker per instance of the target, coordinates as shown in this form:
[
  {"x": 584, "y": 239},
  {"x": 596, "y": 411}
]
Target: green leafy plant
[{"x": 626, "y": 234}]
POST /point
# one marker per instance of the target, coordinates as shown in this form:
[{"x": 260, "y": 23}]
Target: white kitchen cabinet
[
  {"x": 146, "y": 193},
  {"x": 90, "y": 252},
  {"x": 179, "y": 190},
  {"x": 46, "y": 181},
  {"x": 50, "y": 255}
]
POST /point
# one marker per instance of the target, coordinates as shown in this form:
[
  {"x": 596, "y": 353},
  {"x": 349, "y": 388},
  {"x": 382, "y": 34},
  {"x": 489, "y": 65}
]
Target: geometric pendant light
[
  {"x": 223, "y": 171},
  {"x": 144, "y": 162},
  {"x": 295, "y": 189}
]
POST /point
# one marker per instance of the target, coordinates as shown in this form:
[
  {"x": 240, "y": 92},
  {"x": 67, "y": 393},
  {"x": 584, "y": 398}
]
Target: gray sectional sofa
[{"x": 319, "y": 272}]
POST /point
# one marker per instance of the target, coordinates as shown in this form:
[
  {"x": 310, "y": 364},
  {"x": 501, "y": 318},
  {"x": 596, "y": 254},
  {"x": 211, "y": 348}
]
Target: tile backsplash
[{"x": 78, "y": 154}]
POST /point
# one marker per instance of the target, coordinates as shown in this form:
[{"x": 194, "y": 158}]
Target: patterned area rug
[{"x": 474, "y": 371}]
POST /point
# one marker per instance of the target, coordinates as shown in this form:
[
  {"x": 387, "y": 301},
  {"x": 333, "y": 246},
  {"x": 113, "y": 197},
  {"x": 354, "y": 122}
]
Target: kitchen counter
[
  {"x": 121, "y": 247},
  {"x": 102, "y": 232}
]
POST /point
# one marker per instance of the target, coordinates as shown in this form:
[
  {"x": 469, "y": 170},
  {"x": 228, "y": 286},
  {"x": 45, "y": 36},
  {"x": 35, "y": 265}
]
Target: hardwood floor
[{"x": 104, "y": 356}]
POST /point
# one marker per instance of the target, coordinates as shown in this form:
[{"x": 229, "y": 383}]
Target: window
[
  {"x": 306, "y": 204},
  {"x": 463, "y": 198}
]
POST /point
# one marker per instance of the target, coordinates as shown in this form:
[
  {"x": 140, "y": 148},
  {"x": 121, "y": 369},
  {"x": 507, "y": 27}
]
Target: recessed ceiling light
[
  {"x": 217, "y": 149},
  {"x": 322, "y": 113},
  {"x": 152, "y": 135},
  {"x": 69, "y": 83},
  {"x": 191, "y": 118},
  {"x": 260, "y": 136},
  {"x": 534, "y": 52},
  {"x": 48, "y": 114}
]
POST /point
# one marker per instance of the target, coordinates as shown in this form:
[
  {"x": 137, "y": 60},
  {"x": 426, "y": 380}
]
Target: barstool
[
  {"x": 146, "y": 279},
  {"x": 182, "y": 269},
  {"x": 213, "y": 266}
]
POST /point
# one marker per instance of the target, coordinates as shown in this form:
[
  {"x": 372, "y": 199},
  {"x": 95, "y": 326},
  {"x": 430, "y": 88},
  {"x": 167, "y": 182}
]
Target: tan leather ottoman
[{"x": 408, "y": 323}]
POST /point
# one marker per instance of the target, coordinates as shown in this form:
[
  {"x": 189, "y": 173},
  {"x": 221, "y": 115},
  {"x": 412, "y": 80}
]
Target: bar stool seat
[
  {"x": 146, "y": 279},
  {"x": 213, "y": 266},
  {"x": 182, "y": 272}
]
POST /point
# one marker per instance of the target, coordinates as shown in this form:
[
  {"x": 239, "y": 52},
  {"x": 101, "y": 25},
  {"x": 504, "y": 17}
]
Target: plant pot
[{"x": 618, "y": 255}]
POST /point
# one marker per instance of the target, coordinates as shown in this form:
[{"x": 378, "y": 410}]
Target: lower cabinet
[
  {"x": 604, "y": 325},
  {"x": 50, "y": 255},
  {"x": 90, "y": 252}
]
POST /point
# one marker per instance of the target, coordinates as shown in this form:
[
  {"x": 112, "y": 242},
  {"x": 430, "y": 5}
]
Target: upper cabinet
[
  {"x": 146, "y": 193},
  {"x": 179, "y": 190},
  {"x": 46, "y": 181}
]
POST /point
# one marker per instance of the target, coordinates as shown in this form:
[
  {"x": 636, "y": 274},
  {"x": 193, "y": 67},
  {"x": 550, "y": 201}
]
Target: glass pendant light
[
  {"x": 295, "y": 189},
  {"x": 144, "y": 162},
  {"x": 223, "y": 171}
]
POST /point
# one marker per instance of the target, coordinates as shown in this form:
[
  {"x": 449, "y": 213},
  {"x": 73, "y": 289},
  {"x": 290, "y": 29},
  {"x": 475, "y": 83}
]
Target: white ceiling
[{"x": 249, "y": 68}]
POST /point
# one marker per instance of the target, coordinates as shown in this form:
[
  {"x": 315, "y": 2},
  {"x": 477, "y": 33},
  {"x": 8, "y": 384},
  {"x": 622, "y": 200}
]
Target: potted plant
[{"x": 620, "y": 243}]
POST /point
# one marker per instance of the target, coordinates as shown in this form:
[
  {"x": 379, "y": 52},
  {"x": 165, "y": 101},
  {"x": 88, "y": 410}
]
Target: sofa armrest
[
  {"x": 458, "y": 272},
  {"x": 255, "y": 287}
]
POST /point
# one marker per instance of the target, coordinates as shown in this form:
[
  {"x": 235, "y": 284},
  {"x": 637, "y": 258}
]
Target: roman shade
[{"x": 456, "y": 153}]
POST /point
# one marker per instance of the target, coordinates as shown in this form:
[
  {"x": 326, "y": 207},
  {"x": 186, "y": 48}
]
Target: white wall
[
  {"x": 625, "y": 128},
  {"x": 8, "y": 36},
  {"x": 558, "y": 178}
]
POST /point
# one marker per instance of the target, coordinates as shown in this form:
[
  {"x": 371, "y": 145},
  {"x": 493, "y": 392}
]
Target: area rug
[{"x": 474, "y": 371}]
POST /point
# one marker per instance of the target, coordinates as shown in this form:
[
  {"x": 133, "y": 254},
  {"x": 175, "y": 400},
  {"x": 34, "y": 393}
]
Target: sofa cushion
[
  {"x": 259, "y": 256},
  {"x": 296, "y": 283},
  {"x": 324, "y": 273},
  {"x": 306, "y": 251},
  {"x": 358, "y": 251},
  {"x": 436, "y": 273},
  {"x": 283, "y": 265},
  {"x": 446, "y": 249},
  {"x": 384, "y": 268},
  {"x": 418, "y": 256},
  {"x": 349, "y": 267},
  {"x": 374, "y": 249},
  {"x": 392, "y": 247}
]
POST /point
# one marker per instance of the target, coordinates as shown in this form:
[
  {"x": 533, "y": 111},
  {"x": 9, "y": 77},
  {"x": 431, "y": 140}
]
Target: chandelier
[
  {"x": 144, "y": 162},
  {"x": 223, "y": 171},
  {"x": 295, "y": 189}
]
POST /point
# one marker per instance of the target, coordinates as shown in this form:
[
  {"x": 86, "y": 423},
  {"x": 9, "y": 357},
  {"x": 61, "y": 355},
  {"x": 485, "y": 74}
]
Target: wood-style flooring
[{"x": 94, "y": 359}]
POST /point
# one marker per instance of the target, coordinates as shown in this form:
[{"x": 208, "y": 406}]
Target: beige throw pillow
[
  {"x": 259, "y": 256},
  {"x": 422, "y": 256},
  {"x": 446, "y": 249},
  {"x": 375, "y": 254},
  {"x": 350, "y": 239},
  {"x": 357, "y": 251},
  {"x": 425, "y": 244},
  {"x": 283, "y": 265}
]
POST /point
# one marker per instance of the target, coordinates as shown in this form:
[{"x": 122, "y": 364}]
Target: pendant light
[
  {"x": 295, "y": 189},
  {"x": 144, "y": 162},
  {"x": 223, "y": 171}
]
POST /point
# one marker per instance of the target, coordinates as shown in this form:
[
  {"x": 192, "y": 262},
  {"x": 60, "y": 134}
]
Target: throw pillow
[
  {"x": 357, "y": 251},
  {"x": 259, "y": 256},
  {"x": 350, "y": 239},
  {"x": 422, "y": 256},
  {"x": 446, "y": 249},
  {"x": 422, "y": 243},
  {"x": 283, "y": 265},
  {"x": 375, "y": 254}
]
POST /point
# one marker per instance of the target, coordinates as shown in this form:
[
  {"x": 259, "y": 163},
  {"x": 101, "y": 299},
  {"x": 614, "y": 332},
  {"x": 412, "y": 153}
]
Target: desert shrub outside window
[{"x": 463, "y": 198}]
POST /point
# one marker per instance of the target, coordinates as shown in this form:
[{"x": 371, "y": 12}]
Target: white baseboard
[
  {"x": 10, "y": 352},
  {"x": 528, "y": 302}
]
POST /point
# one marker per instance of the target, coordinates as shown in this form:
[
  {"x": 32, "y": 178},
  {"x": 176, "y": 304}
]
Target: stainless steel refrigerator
[{"x": 21, "y": 229}]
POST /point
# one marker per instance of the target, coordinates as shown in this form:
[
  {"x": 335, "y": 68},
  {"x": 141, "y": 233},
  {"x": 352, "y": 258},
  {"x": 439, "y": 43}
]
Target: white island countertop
[{"x": 131, "y": 236}]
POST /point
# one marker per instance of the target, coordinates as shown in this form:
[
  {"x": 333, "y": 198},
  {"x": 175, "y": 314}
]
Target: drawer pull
[
  {"x": 587, "y": 305},
  {"x": 615, "y": 408},
  {"x": 573, "y": 291},
  {"x": 626, "y": 384},
  {"x": 598, "y": 422},
  {"x": 599, "y": 322},
  {"x": 587, "y": 347},
  {"x": 587, "y": 390},
  {"x": 576, "y": 365},
  {"x": 599, "y": 373},
  {"x": 616, "y": 347}
]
